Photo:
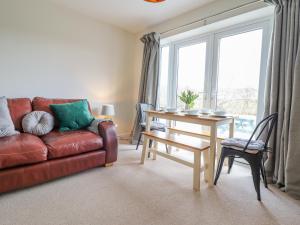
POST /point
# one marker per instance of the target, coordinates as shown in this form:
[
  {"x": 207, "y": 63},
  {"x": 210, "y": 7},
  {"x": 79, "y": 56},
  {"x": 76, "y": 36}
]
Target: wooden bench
[
  {"x": 204, "y": 134},
  {"x": 192, "y": 144}
]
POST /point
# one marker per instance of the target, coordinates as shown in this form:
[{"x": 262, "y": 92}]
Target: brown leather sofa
[{"x": 27, "y": 160}]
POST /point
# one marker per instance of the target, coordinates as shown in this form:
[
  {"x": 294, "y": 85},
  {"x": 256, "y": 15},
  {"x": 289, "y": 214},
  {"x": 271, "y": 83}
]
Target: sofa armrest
[{"x": 107, "y": 131}]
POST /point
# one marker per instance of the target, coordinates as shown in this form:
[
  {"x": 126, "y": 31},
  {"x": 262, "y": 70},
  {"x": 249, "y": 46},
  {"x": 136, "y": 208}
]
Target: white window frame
[
  {"x": 265, "y": 26},
  {"x": 212, "y": 55},
  {"x": 186, "y": 43}
]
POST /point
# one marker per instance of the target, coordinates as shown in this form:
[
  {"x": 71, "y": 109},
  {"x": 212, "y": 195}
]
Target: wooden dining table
[{"x": 212, "y": 122}]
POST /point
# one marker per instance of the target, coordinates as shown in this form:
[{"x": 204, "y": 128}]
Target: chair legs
[
  {"x": 263, "y": 173},
  {"x": 167, "y": 149},
  {"x": 255, "y": 169},
  {"x": 150, "y": 143},
  {"x": 230, "y": 163},
  {"x": 150, "y": 146},
  {"x": 220, "y": 165},
  {"x": 139, "y": 140},
  {"x": 255, "y": 162}
]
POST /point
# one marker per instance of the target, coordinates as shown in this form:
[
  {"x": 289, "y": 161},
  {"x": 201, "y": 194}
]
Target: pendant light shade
[{"x": 154, "y": 1}]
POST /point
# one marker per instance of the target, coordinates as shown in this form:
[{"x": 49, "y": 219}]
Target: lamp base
[{"x": 103, "y": 117}]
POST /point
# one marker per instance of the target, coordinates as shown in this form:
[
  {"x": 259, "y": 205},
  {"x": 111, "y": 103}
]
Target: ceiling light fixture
[{"x": 154, "y": 1}]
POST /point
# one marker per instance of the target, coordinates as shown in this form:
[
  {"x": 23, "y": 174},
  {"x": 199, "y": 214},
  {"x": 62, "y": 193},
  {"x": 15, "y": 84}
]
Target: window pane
[
  {"x": 163, "y": 80},
  {"x": 238, "y": 79},
  {"x": 191, "y": 75},
  {"x": 191, "y": 71}
]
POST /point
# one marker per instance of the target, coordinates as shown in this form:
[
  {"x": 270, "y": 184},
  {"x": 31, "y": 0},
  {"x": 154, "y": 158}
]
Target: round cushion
[{"x": 38, "y": 123}]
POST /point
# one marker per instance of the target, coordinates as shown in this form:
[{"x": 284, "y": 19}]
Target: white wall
[{"x": 46, "y": 50}]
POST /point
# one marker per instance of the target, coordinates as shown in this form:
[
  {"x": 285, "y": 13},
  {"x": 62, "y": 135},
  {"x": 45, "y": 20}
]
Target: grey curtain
[
  {"x": 283, "y": 96},
  {"x": 149, "y": 77}
]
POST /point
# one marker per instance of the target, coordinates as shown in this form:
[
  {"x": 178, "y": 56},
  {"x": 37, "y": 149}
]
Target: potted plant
[{"x": 188, "y": 97}]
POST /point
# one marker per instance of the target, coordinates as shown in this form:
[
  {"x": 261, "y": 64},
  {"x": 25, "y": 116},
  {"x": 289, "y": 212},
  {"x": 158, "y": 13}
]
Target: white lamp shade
[{"x": 108, "y": 110}]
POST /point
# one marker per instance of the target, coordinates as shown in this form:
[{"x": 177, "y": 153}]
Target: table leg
[
  {"x": 212, "y": 154},
  {"x": 231, "y": 129},
  {"x": 145, "y": 149},
  {"x": 148, "y": 122},
  {"x": 196, "y": 172},
  {"x": 171, "y": 124},
  {"x": 206, "y": 164},
  {"x": 231, "y": 134},
  {"x": 148, "y": 128},
  {"x": 169, "y": 147}
]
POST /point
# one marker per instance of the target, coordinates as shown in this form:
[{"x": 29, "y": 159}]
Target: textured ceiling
[{"x": 132, "y": 15}]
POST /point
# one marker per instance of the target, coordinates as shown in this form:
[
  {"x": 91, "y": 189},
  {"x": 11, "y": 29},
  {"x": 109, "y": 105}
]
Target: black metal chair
[
  {"x": 155, "y": 125},
  {"x": 250, "y": 150}
]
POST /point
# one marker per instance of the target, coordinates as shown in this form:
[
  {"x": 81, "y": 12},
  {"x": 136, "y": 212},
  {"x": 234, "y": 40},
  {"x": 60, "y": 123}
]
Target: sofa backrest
[
  {"x": 43, "y": 104},
  {"x": 18, "y": 108}
]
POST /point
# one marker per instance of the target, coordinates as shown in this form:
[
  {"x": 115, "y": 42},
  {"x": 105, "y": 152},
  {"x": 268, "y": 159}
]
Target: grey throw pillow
[
  {"x": 94, "y": 126},
  {"x": 38, "y": 123},
  {"x": 7, "y": 127}
]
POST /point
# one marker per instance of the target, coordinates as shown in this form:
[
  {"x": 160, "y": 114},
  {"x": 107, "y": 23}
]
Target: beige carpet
[{"x": 157, "y": 193}]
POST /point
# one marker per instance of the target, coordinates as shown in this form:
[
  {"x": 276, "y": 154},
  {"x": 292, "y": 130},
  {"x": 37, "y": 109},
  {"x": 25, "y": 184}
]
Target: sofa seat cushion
[
  {"x": 62, "y": 144},
  {"x": 21, "y": 149}
]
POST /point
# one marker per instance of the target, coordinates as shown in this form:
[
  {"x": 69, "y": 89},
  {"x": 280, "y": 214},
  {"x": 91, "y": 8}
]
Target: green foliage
[{"x": 188, "y": 97}]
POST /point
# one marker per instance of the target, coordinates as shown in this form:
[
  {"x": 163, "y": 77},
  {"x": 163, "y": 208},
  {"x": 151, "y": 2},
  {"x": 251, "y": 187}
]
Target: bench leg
[
  {"x": 206, "y": 163},
  {"x": 145, "y": 149},
  {"x": 196, "y": 172}
]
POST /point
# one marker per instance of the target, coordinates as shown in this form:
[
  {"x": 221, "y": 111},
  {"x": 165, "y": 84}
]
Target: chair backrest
[
  {"x": 264, "y": 128},
  {"x": 141, "y": 108}
]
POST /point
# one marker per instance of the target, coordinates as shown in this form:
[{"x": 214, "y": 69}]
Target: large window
[
  {"x": 226, "y": 68},
  {"x": 191, "y": 71},
  {"x": 163, "y": 80},
  {"x": 238, "y": 75}
]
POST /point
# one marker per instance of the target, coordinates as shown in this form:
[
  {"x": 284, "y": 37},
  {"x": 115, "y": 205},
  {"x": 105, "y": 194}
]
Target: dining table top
[{"x": 182, "y": 115}]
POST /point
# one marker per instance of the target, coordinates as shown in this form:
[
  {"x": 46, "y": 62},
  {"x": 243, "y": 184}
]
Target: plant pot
[{"x": 187, "y": 107}]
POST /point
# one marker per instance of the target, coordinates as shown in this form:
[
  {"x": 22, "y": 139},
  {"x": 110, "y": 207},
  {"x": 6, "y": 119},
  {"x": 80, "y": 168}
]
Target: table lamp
[{"x": 108, "y": 111}]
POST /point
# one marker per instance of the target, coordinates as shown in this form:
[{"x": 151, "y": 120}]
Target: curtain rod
[{"x": 217, "y": 14}]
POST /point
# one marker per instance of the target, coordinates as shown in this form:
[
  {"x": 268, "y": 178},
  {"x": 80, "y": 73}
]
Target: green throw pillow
[{"x": 72, "y": 116}]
